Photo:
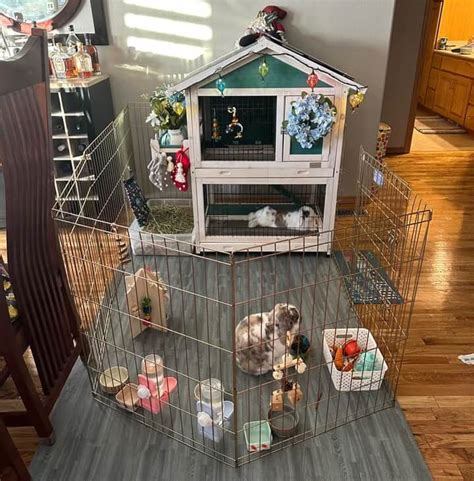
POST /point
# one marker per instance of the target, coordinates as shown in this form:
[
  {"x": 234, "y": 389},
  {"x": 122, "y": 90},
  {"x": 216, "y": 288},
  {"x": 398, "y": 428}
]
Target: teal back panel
[
  {"x": 280, "y": 75},
  {"x": 296, "y": 149}
]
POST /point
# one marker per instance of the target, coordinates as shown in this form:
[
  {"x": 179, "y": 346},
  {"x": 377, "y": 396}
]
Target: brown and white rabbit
[{"x": 261, "y": 338}]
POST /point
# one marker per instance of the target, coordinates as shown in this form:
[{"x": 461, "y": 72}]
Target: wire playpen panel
[{"x": 239, "y": 355}]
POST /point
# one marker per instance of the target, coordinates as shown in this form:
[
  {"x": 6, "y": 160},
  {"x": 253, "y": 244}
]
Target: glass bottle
[
  {"x": 63, "y": 64},
  {"x": 72, "y": 41},
  {"x": 71, "y": 70},
  {"x": 83, "y": 62},
  {"x": 57, "y": 62},
  {"x": 92, "y": 51}
]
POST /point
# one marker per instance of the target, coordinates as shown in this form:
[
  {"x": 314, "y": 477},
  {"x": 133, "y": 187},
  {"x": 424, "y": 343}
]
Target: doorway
[{"x": 443, "y": 119}]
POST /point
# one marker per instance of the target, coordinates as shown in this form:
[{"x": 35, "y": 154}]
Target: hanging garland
[{"x": 311, "y": 118}]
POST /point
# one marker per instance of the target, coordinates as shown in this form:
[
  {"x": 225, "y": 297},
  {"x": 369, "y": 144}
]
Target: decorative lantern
[
  {"x": 263, "y": 69},
  {"x": 220, "y": 85},
  {"x": 312, "y": 80}
]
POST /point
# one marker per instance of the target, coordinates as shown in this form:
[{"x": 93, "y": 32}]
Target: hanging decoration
[
  {"x": 216, "y": 128},
  {"x": 137, "y": 201},
  {"x": 312, "y": 117},
  {"x": 158, "y": 166},
  {"x": 235, "y": 126},
  {"x": 355, "y": 99},
  {"x": 312, "y": 80},
  {"x": 179, "y": 175},
  {"x": 263, "y": 69},
  {"x": 220, "y": 85}
]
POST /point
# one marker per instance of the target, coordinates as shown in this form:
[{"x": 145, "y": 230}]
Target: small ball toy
[
  {"x": 351, "y": 348},
  {"x": 300, "y": 346}
]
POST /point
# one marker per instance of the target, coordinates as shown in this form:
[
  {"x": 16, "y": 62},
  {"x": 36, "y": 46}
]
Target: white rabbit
[
  {"x": 265, "y": 217},
  {"x": 260, "y": 339}
]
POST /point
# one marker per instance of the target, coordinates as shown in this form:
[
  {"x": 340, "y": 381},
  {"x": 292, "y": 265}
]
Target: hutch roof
[{"x": 292, "y": 64}]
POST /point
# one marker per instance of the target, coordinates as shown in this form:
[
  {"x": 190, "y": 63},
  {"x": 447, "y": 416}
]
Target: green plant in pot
[{"x": 168, "y": 115}]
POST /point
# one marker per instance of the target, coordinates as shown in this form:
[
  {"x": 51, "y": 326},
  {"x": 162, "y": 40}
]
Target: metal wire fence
[{"x": 241, "y": 354}]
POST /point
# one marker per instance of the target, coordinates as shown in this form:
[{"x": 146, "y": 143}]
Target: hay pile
[{"x": 170, "y": 219}]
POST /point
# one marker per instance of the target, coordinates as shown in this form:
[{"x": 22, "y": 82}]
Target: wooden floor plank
[
  {"x": 446, "y": 472},
  {"x": 445, "y": 455},
  {"x": 450, "y": 440},
  {"x": 467, "y": 470}
]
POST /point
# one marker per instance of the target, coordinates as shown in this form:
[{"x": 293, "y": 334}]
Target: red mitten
[{"x": 179, "y": 175}]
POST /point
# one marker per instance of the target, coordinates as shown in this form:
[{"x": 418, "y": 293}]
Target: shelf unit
[{"x": 80, "y": 110}]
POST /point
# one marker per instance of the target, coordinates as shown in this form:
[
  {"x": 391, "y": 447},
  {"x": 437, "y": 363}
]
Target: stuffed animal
[
  {"x": 266, "y": 22},
  {"x": 261, "y": 338}
]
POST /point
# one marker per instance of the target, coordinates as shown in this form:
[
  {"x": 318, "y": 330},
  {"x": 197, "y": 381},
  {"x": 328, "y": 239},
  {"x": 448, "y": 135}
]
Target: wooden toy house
[{"x": 241, "y": 158}]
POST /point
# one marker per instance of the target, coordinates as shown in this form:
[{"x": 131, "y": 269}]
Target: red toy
[
  {"x": 179, "y": 175},
  {"x": 351, "y": 348}
]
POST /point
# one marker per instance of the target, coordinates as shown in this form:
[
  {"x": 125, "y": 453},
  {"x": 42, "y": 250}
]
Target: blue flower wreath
[{"x": 312, "y": 117}]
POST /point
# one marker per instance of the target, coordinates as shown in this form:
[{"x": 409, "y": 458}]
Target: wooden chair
[
  {"x": 12, "y": 467},
  {"x": 48, "y": 322}
]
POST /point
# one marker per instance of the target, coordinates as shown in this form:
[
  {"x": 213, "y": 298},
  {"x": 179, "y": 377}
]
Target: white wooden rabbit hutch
[{"x": 243, "y": 161}]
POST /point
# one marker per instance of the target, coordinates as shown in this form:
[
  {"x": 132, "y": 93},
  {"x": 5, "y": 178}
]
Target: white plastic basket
[{"x": 353, "y": 380}]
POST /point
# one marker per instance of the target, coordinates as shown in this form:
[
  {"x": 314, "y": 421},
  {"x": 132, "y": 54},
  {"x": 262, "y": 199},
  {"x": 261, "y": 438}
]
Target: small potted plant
[
  {"x": 168, "y": 115},
  {"x": 146, "y": 310}
]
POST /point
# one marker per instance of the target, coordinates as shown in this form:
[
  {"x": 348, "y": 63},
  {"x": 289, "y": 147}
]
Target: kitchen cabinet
[
  {"x": 449, "y": 89},
  {"x": 469, "y": 122},
  {"x": 452, "y": 96}
]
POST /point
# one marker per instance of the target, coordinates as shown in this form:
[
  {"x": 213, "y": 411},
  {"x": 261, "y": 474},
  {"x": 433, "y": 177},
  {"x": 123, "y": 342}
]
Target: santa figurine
[{"x": 267, "y": 22}]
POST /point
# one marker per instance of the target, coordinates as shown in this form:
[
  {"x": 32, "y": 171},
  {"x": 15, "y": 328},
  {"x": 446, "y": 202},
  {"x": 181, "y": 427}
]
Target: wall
[
  {"x": 405, "y": 45},
  {"x": 457, "y": 20},
  {"x": 353, "y": 35}
]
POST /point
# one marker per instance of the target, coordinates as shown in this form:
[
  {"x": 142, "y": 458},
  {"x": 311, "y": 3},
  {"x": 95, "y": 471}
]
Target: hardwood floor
[{"x": 436, "y": 390}]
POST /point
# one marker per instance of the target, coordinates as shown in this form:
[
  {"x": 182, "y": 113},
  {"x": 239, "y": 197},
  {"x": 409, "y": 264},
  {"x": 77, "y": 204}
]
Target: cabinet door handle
[
  {"x": 225, "y": 172},
  {"x": 302, "y": 172}
]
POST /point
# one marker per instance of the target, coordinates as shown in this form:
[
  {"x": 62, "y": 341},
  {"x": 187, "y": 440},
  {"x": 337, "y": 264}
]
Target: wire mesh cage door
[{"x": 239, "y": 355}]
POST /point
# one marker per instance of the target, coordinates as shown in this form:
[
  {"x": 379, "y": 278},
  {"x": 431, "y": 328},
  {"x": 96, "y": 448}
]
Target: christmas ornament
[
  {"x": 220, "y": 85},
  {"x": 170, "y": 166},
  {"x": 312, "y": 80},
  {"x": 178, "y": 107},
  {"x": 179, "y": 176},
  {"x": 263, "y": 69},
  {"x": 356, "y": 99},
  {"x": 235, "y": 126},
  {"x": 216, "y": 129}
]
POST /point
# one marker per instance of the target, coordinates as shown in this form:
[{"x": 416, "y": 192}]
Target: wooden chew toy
[
  {"x": 122, "y": 246},
  {"x": 292, "y": 389}
]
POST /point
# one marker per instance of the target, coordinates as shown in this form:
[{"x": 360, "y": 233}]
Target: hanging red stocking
[{"x": 179, "y": 175}]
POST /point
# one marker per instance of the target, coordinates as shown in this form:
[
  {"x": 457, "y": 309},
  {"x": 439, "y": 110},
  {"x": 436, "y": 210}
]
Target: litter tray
[{"x": 258, "y": 436}]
